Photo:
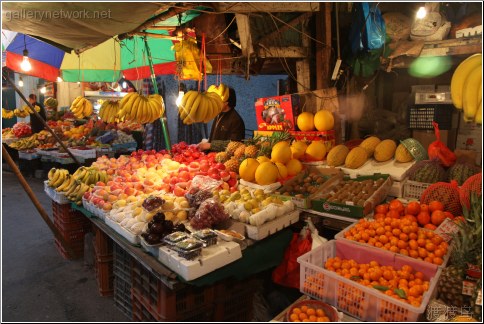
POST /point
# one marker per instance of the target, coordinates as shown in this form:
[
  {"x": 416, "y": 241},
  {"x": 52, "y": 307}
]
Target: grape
[
  {"x": 209, "y": 213},
  {"x": 151, "y": 203},
  {"x": 196, "y": 197}
]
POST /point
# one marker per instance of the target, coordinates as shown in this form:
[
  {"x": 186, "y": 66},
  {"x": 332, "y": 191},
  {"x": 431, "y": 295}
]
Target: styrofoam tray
[
  {"x": 397, "y": 189},
  {"x": 151, "y": 249},
  {"x": 267, "y": 189},
  {"x": 87, "y": 154},
  {"x": 99, "y": 213},
  {"x": 132, "y": 238},
  {"x": 212, "y": 258},
  {"x": 395, "y": 169},
  {"x": 269, "y": 228},
  {"x": 58, "y": 197}
]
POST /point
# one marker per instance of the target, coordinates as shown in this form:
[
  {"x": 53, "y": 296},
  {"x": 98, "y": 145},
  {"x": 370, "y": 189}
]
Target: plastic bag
[
  {"x": 368, "y": 32},
  {"x": 288, "y": 272},
  {"x": 438, "y": 150},
  {"x": 210, "y": 213},
  {"x": 187, "y": 55},
  {"x": 200, "y": 182}
]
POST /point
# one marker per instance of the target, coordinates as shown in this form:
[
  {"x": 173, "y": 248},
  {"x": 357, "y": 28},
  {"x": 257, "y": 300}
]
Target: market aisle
[{"x": 37, "y": 283}]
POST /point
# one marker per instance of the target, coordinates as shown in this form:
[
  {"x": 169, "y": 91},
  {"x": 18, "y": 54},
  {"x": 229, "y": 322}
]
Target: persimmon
[
  {"x": 435, "y": 205},
  {"x": 411, "y": 218},
  {"x": 424, "y": 207},
  {"x": 449, "y": 215},
  {"x": 423, "y": 218},
  {"x": 437, "y": 217},
  {"x": 413, "y": 208},
  {"x": 431, "y": 227},
  {"x": 396, "y": 205},
  {"x": 381, "y": 209}
]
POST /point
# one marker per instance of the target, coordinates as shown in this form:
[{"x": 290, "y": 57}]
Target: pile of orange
[
  {"x": 402, "y": 236},
  {"x": 308, "y": 314},
  {"x": 404, "y": 284},
  {"x": 429, "y": 216}
]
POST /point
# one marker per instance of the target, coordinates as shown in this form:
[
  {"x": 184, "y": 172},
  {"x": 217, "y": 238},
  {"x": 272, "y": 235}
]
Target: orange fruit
[
  {"x": 411, "y": 218},
  {"x": 303, "y": 316},
  {"x": 435, "y": 205},
  {"x": 381, "y": 209},
  {"x": 438, "y": 260},
  {"x": 431, "y": 227},
  {"x": 413, "y": 208},
  {"x": 424, "y": 207},
  {"x": 311, "y": 311},
  {"x": 304, "y": 309},
  {"x": 379, "y": 216},
  {"x": 404, "y": 237},
  {"x": 449, "y": 215},
  {"x": 320, "y": 312},
  {"x": 437, "y": 217},
  {"x": 439, "y": 253},
  {"x": 312, "y": 318},
  {"x": 423, "y": 218},
  {"x": 294, "y": 317},
  {"x": 396, "y": 205},
  {"x": 393, "y": 214}
]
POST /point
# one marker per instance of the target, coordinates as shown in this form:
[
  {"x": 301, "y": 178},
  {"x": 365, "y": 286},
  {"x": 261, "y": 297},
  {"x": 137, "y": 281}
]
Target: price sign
[{"x": 446, "y": 229}]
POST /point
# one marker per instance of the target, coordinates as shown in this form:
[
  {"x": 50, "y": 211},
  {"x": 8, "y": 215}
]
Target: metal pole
[
  {"x": 38, "y": 116},
  {"x": 35, "y": 201},
  {"x": 164, "y": 127}
]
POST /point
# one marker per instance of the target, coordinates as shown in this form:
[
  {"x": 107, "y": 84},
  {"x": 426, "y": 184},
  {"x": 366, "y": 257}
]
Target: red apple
[
  {"x": 179, "y": 192},
  {"x": 194, "y": 165},
  {"x": 232, "y": 182},
  {"x": 224, "y": 175},
  {"x": 100, "y": 184},
  {"x": 205, "y": 167},
  {"x": 233, "y": 175},
  {"x": 184, "y": 176},
  {"x": 87, "y": 195},
  {"x": 233, "y": 189},
  {"x": 182, "y": 169},
  {"x": 219, "y": 166}
]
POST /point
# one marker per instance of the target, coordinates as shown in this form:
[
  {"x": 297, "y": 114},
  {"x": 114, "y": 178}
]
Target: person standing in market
[
  {"x": 35, "y": 123},
  {"x": 227, "y": 126}
]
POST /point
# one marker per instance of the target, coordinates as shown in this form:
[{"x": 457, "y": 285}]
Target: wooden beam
[
  {"x": 285, "y": 27},
  {"x": 153, "y": 35},
  {"x": 244, "y": 7},
  {"x": 287, "y": 52},
  {"x": 243, "y": 25},
  {"x": 302, "y": 67},
  {"x": 323, "y": 52}
]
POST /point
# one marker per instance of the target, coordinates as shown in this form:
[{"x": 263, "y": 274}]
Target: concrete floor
[{"x": 38, "y": 285}]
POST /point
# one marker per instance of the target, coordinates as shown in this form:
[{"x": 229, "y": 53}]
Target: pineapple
[
  {"x": 251, "y": 151},
  {"x": 239, "y": 152},
  {"x": 232, "y": 165},
  {"x": 221, "y": 157},
  {"x": 467, "y": 248},
  {"x": 231, "y": 147}
]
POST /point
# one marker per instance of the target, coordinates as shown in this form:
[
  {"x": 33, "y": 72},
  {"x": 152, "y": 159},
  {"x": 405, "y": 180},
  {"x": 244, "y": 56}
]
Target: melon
[
  {"x": 282, "y": 171},
  {"x": 281, "y": 152},
  {"x": 305, "y": 122},
  {"x": 337, "y": 155},
  {"x": 247, "y": 169},
  {"x": 294, "y": 166},
  {"x": 266, "y": 173},
  {"x": 323, "y": 120},
  {"x": 298, "y": 148},
  {"x": 370, "y": 144},
  {"x": 356, "y": 158},
  {"x": 316, "y": 151},
  {"x": 262, "y": 159},
  {"x": 402, "y": 154},
  {"x": 385, "y": 150}
]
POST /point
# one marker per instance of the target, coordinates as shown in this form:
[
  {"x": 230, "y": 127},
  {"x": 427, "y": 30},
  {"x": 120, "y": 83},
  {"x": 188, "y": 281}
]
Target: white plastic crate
[
  {"x": 58, "y": 197},
  {"x": 273, "y": 226},
  {"x": 414, "y": 189},
  {"x": 129, "y": 236},
  {"x": 366, "y": 304},
  {"x": 28, "y": 155},
  {"x": 87, "y": 154}
]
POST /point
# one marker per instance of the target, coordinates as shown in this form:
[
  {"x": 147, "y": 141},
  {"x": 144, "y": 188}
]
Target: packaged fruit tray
[
  {"x": 267, "y": 189},
  {"x": 152, "y": 249},
  {"x": 269, "y": 228},
  {"x": 360, "y": 301},
  {"x": 58, "y": 197},
  {"x": 130, "y": 237},
  {"x": 396, "y": 170},
  {"x": 341, "y": 237},
  {"x": 211, "y": 258},
  {"x": 93, "y": 209}
]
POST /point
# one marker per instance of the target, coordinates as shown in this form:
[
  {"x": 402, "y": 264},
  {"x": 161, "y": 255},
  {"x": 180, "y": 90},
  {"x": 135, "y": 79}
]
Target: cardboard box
[
  {"x": 348, "y": 210},
  {"x": 277, "y": 113},
  {"x": 469, "y": 137}
]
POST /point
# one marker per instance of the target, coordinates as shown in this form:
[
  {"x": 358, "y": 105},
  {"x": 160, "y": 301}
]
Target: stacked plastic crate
[
  {"x": 122, "y": 265},
  {"x": 103, "y": 262}
]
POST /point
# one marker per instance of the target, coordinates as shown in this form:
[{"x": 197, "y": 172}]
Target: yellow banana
[
  {"x": 185, "y": 98},
  {"x": 65, "y": 184},
  {"x": 62, "y": 176},
  {"x": 76, "y": 101},
  {"x": 191, "y": 118},
  {"x": 134, "y": 109},
  {"x": 51, "y": 173},
  {"x": 471, "y": 88},
  {"x": 87, "y": 109},
  {"x": 478, "y": 118},
  {"x": 127, "y": 98},
  {"x": 153, "y": 111},
  {"x": 459, "y": 77}
]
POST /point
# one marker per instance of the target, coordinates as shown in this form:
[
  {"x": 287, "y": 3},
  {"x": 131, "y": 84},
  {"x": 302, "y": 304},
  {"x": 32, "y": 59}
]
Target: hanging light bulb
[
  {"x": 421, "y": 13},
  {"x": 180, "y": 97},
  {"x": 20, "y": 82},
  {"x": 78, "y": 83},
  {"x": 59, "y": 79},
  {"x": 25, "y": 65},
  {"x": 124, "y": 85},
  {"x": 43, "y": 90}
]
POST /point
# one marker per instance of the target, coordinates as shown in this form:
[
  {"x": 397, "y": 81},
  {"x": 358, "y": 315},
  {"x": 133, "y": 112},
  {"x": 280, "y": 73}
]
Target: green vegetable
[
  {"x": 401, "y": 293},
  {"x": 382, "y": 288},
  {"x": 355, "y": 278}
]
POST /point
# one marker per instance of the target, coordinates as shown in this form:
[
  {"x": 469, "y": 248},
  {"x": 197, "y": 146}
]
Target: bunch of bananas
[
  {"x": 81, "y": 107},
  {"x": 466, "y": 88},
  {"x": 74, "y": 186},
  {"x": 7, "y": 114},
  {"x": 25, "y": 143},
  {"x": 222, "y": 90},
  {"x": 141, "y": 109},
  {"x": 198, "y": 107},
  {"x": 108, "y": 111}
]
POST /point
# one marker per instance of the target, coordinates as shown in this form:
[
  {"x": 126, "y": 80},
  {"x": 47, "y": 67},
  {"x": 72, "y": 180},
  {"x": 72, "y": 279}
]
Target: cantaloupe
[
  {"x": 356, "y": 158},
  {"x": 281, "y": 152},
  {"x": 247, "y": 169},
  {"x": 316, "y": 151},
  {"x": 266, "y": 173},
  {"x": 369, "y": 144},
  {"x": 385, "y": 150},
  {"x": 402, "y": 154},
  {"x": 337, "y": 155}
]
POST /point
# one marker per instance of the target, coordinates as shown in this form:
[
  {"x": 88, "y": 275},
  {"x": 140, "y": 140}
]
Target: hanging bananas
[
  {"x": 108, "y": 111},
  {"x": 81, "y": 107},
  {"x": 7, "y": 114},
  {"x": 18, "y": 112},
  {"x": 141, "y": 109},
  {"x": 222, "y": 90},
  {"x": 466, "y": 88},
  {"x": 198, "y": 107}
]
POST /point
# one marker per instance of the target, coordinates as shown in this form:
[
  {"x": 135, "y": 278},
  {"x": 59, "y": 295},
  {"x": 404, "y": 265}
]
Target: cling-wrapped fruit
[
  {"x": 427, "y": 171},
  {"x": 210, "y": 213}
]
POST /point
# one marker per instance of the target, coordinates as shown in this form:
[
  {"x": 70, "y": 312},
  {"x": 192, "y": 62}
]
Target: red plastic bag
[
  {"x": 287, "y": 273},
  {"x": 438, "y": 150}
]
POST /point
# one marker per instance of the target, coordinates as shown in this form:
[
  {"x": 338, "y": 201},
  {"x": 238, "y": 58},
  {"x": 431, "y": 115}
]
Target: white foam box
[
  {"x": 211, "y": 258},
  {"x": 261, "y": 232},
  {"x": 396, "y": 170},
  {"x": 397, "y": 189},
  {"x": 130, "y": 237}
]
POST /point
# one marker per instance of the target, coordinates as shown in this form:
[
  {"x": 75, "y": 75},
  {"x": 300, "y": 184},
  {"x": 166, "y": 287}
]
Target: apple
[
  {"x": 215, "y": 176},
  {"x": 233, "y": 175},
  {"x": 179, "y": 192},
  {"x": 219, "y": 166},
  {"x": 129, "y": 191},
  {"x": 184, "y": 176},
  {"x": 224, "y": 175},
  {"x": 201, "y": 173},
  {"x": 204, "y": 167},
  {"x": 100, "y": 184},
  {"x": 174, "y": 180},
  {"x": 194, "y": 165},
  {"x": 232, "y": 182},
  {"x": 148, "y": 183},
  {"x": 183, "y": 169},
  {"x": 233, "y": 189},
  {"x": 86, "y": 195}
]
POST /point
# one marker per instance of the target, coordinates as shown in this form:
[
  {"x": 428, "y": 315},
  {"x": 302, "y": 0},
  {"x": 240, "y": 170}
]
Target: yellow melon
[
  {"x": 281, "y": 152},
  {"x": 298, "y": 148},
  {"x": 262, "y": 159},
  {"x": 316, "y": 151},
  {"x": 266, "y": 173},
  {"x": 247, "y": 169},
  {"x": 356, "y": 158},
  {"x": 305, "y": 121},
  {"x": 370, "y": 144},
  {"x": 323, "y": 120},
  {"x": 282, "y": 171},
  {"x": 294, "y": 166},
  {"x": 402, "y": 154},
  {"x": 337, "y": 155},
  {"x": 385, "y": 150}
]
